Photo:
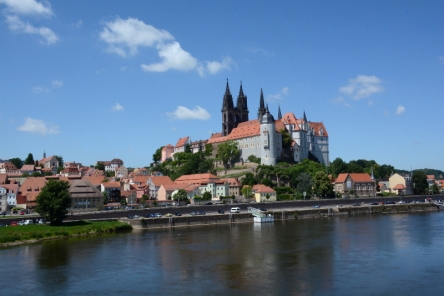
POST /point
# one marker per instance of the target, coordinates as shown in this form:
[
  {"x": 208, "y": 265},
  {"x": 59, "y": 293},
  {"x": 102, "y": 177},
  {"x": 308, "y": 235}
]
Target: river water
[{"x": 394, "y": 254}]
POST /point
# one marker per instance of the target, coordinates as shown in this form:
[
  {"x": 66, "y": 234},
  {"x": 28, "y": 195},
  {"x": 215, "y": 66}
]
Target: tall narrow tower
[
  {"x": 261, "y": 110},
  {"x": 227, "y": 112},
  {"x": 268, "y": 139},
  {"x": 242, "y": 106}
]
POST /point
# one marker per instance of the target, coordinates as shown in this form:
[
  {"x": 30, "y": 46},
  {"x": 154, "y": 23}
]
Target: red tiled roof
[
  {"x": 317, "y": 126},
  {"x": 399, "y": 187},
  {"x": 160, "y": 180},
  {"x": 181, "y": 142},
  {"x": 262, "y": 189},
  {"x": 111, "y": 184},
  {"x": 197, "y": 178},
  {"x": 356, "y": 177}
]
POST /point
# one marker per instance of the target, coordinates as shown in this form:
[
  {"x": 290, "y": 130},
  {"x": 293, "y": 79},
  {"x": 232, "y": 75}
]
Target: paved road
[{"x": 212, "y": 209}]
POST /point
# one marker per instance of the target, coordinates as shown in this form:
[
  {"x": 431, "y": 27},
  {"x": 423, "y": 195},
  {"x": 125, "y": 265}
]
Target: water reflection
[{"x": 331, "y": 256}]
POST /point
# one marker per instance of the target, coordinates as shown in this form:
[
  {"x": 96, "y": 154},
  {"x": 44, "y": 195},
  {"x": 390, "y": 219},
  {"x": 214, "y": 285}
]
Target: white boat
[{"x": 260, "y": 216}]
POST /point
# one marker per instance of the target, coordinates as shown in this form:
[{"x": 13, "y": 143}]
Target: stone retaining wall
[{"x": 278, "y": 215}]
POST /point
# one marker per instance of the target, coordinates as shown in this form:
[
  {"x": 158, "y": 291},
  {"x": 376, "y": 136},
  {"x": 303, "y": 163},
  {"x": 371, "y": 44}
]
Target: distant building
[{"x": 360, "y": 184}]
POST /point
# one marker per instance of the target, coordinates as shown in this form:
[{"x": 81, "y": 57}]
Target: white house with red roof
[{"x": 207, "y": 183}]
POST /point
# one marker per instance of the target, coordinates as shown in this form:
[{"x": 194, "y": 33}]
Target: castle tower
[
  {"x": 279, "y": 112},
  {"x": 228, "y": 112},
  {"x": 268, "y": 139},
  {"x": 242, "y": 106},
  {"x": 261, "y": 110}
]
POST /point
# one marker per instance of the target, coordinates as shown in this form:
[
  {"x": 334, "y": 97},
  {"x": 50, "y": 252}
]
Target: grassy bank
[{"x": 30, "y": 233}]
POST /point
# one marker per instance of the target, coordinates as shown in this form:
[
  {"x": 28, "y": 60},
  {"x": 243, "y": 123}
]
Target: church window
[{"x": 257, "y": 144}]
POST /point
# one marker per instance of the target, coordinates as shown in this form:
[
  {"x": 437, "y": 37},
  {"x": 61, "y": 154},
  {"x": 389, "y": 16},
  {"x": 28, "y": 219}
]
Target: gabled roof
[
  {"x": 356, "y": 177},
  {"x": 160, "y": 180},
  {"x": 399, "y": 187},
  {"x": 232, "y": 181},
  {"x": 431, "y": 177},
  {"x": 27, "y": 167},
  {"x": 259, "y": 188},
  {"x": 197, "y": 178},
  {"x": 111, "y": 184},
  {"x": 317, "y": 126},
  {"x": 83, "y": 189},
  {"x": 95, "y": 180},
  {"x": 181, "y": 142}
]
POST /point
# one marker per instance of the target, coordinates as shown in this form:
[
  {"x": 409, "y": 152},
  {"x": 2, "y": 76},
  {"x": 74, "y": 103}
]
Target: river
[{"x": 389, "y": 254}]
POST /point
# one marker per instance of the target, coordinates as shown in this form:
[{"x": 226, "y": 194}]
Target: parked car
[
  {"x": 316, "y": 206},
  {"x": 356, "y": 204},
  {"x": 22, "y": 212},
  {"x": 193, "y": 213},
  {"x": 373, "y": 203},
  {"x": 209, "y": 203},
  {"x": 13, "y": 223},
  {"x": 28, "y": 222},
  {"x": 158, "y": 215},
  {"x": 221, "y": 211},
  {"x": 263, "y": 210},
  {"x": 169, "y": 215},
  {"x": 136, "y": 216},
  {"x": 130, "y": 217},
  {"x": 42, "y": 221},
  {"x": 178, "y": 214},
  {"x": 2, "y": 225},
  {"x": 3, "y": 213},
  {"x": 235, "y": 210}
]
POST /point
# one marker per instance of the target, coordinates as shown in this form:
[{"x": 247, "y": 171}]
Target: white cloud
[
  {"x": 129, "y": 35},
  {"x": 15, "y": 24},
  {"x": 362, "y": 86},
  {"x": 173, "y": 57},
  {"x": 38, "y": 127},
  {"x": 40, "y": 89},
  {"x": 126, "y": 37},
  {"x": 185, "y": 113},
  {"x": 57, "y": 83},
  {"x": 215, "y": 67},
  {"x": 28, "y": 7},
  {"x": 118, "y": 107},
  {"x": 400, "y": 109},
  {"x": 278, "y": 96},
  {"x": 338, "y": 100}
]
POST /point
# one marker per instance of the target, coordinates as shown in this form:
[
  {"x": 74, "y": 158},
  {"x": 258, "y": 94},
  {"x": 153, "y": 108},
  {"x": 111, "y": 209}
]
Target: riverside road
[{"x": 212, "y": 209}]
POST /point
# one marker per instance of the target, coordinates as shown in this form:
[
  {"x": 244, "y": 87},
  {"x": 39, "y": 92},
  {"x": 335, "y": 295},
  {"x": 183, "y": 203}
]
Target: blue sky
[{"x": 97, "y": 80}]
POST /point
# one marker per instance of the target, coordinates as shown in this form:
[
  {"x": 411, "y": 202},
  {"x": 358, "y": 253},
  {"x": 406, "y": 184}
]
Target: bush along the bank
[{"x": 69, "y": 229}]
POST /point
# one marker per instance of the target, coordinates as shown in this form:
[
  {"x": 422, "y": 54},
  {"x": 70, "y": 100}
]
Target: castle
[{"x": 262, "y": 137}]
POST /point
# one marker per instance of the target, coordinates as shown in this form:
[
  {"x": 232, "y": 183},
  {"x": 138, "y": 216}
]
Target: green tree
[
  {"x": 144, "y": 199},
  {"x": 266, "y": 182},
  {"x": 322, "y": 184},
  {"x": 29, "y": 159},
  {"x": 227, "y": 152},
  {"x": 187, "y": 148},
  {"x": 435, "y": 188},
  {"x": 181, "y": 194},
  {"x": 100, "y": 166},
  {"x": 207, "y": 195},
  {"x": 36, "y": 174},
  {"x": 248, "y": 179},
  {"x": 286, "y": 139},
  {"x": 304, "y": 183},
  {"x": 267, "y": 196},
  {"x": 419, "y": 179},
  {"x": 17, "y": 162},
  {"x": 54, "y": 201},
  {"x": 254, "y": 159},
  {"x": 338, "y": 166},
  {"x": 247, "y": 191},
  {"x": 157, "y": 156},
  {"x": 105, "y": 198},
  {"x": 60, "y": 160}
]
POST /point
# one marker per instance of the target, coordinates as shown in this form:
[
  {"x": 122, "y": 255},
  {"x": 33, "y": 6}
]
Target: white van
[
  {"x": 235, "y": 210},
  {"x": 28, "y": 222}
]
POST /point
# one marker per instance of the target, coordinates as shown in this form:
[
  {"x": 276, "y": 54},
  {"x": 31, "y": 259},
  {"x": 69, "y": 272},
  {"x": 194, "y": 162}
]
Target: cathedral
[{"x": 262, "y": 137}]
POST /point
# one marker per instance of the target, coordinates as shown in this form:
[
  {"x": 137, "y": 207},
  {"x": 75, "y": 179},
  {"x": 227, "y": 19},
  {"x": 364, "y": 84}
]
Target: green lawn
[{"x": 12, "y": 234}]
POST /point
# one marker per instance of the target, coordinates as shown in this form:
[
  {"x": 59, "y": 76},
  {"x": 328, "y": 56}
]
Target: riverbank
[
  {"x": 26, "y": 234},
  {"x": 289, "y": 213}
]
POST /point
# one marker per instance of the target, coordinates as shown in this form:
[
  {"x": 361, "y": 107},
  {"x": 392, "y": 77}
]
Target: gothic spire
[
  {"x": 279, "y": 112},
  {"x": 241, "y": 99},
  {"x": 228, "y": 98},
  {"x": 261, "y": 110}
]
